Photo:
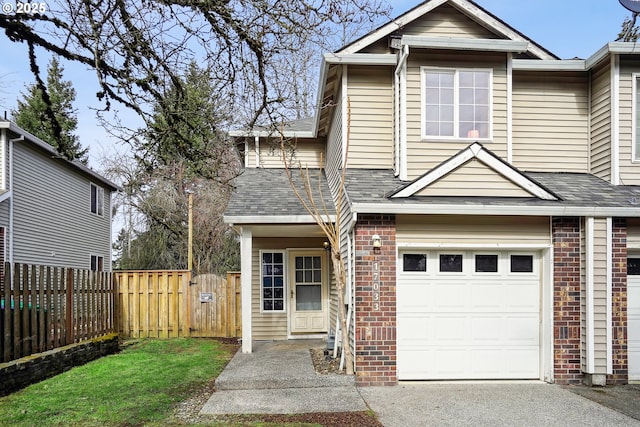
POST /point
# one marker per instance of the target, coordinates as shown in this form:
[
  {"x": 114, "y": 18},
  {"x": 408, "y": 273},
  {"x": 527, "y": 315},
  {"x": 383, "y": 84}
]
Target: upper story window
[
  {"x": 97, "y": 200},
  {"x": 456, "y": 103},
  {"x": 97, "y": 263}
]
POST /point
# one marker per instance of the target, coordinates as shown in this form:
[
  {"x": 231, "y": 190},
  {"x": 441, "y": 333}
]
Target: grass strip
[{"x": 137, "y": 386}]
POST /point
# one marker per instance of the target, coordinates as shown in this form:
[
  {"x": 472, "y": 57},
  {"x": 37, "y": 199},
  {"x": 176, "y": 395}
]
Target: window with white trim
[
  {"x": 456, "y": 103},
  {"x": 97, "y": 200},
  {"x": 272, "y": 281}
]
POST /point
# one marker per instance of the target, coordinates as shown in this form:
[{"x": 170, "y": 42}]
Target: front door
[{"x": 308, "y": 292}]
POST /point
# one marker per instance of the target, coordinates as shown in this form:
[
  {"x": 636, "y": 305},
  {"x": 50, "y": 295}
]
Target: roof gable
[
  {"x": 473, "y": 172},
  {"x": 446, "y": 19}
]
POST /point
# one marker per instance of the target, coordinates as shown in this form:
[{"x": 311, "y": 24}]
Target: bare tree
[
  {"x": 320, "y": 209},
  {"x": 140, "y": 49}
]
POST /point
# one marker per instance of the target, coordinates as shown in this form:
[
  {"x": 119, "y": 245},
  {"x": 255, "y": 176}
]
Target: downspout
[
  {"x": 609, "y": 313},
  {"x": 615, "y": 119},
  {"x": 11, "y": 143},
  {"x": 400, "y": 76},
  {"x": 509, "y": 108},
  {"x": 257, "y": 148}
]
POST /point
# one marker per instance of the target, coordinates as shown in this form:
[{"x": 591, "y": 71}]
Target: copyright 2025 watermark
[{"x": 24, "y": 8}]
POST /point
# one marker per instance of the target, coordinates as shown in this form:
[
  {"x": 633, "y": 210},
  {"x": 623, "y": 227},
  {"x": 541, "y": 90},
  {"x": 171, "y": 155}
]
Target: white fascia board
[
  {"x": 435, "y": 174},
  {"x": 415, "y": 245},
  {"x": 620, "y": 48},
  {"x": 361, "y": 58},
  {"x": 273, "y": 219},
  {"x": 491, "y": 45},
  {"x": 549, "y": 65},
  {"x": 511, "y": 210},
  {"x": 270, "y": 134},
  {"x": 392, "y": 26},
  {"x": 514, "y": 176}
]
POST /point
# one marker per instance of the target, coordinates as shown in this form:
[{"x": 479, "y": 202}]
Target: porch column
[{"x": 246, "y": 248}]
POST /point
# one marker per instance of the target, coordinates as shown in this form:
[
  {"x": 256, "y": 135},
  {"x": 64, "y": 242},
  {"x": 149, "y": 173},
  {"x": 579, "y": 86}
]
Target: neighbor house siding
[
  {"x": 600, "y": 151},
  {"x": 550, "y": 122},
  {"x": 424, "y": 154},
  {"x": 452, "y": 230},
  {"x": 48, "y": 198},
  {"x": 629, "y": 171},
  {"x": 370, "y": 96}
]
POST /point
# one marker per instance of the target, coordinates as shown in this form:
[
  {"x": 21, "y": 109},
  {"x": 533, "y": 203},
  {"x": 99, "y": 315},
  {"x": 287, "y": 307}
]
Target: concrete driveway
[
  {"x": 279, "y": 378},
  {"x": 487, "y": 404}
]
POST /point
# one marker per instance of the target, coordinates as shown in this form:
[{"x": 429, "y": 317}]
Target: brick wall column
[
  {"x": 375, "y": 315},
  {"x": 619, "y": 303},
  {"x": 566, "y": 300}
]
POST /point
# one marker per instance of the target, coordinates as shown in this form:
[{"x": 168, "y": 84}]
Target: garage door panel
[
  {"x": 474, "y": 325},
  {"x": 633, "y": 326},
  {"x": 450, "y": 296}
]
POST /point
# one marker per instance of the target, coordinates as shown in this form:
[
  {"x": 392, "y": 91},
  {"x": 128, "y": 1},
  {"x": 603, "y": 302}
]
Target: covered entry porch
[{"x": 286, "y": 283}]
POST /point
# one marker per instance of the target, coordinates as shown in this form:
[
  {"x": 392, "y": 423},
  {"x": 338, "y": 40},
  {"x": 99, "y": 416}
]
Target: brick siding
[
  {"x": 566, "y": 300},
  {"x": 619, "y": 303},
  {"x": 375, "y": 321}
]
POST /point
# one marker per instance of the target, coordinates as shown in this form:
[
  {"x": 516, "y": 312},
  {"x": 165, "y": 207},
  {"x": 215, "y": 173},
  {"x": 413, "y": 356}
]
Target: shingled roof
[{"x": 268, "y": 193}]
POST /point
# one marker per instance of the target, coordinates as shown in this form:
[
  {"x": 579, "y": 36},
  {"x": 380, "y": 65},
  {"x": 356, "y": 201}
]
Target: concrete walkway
[{"x": 279, "y": 378}]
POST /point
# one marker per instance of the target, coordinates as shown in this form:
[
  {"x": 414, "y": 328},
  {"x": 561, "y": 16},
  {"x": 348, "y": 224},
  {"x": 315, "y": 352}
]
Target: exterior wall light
[
  {"x": 376, "y": 242},
  {"x": 326, "y": 246}
]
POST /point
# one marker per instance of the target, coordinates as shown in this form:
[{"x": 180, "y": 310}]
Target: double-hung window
[
  {"x": 456, "y": 103},
  {"x": 272, "y": 281},
  {"x": 97, "y": 200}
]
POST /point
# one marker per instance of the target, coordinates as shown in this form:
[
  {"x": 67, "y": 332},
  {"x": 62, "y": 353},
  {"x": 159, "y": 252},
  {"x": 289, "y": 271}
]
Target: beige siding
[
  {"x": 599, "y": 271},
  {"x": 474, "y": 178},
  {"x": 601, "y": 122},
  {"x": 452, "y": 230},
  {"x": 272, "y": 326},
  {"x": 306, "y": 152},
  {"x": 633, "y": 233},
  {"x": 371, "y": 116},
  {"x": 422, "y": 155},
  {"x": 550, "y": 122},
  {"x": 446, "y": 21},
  {"x": 629, "y": 170}
]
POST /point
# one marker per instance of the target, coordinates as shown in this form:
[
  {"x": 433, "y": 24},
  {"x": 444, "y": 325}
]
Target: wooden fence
[
  {"x": 168, "y": 303},
  {"x": 42, "y": 308}
]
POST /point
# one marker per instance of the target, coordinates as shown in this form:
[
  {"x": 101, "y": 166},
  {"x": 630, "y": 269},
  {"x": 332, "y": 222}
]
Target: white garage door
[
  {"x": 633, "y": 316},
  {"x": 468, "y": 315}
]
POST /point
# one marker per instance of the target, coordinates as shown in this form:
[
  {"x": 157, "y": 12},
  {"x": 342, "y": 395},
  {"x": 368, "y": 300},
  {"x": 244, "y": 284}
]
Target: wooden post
[{"x": 69, "y": 308}]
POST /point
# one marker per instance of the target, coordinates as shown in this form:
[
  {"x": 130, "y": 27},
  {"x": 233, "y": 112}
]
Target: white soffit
[
  {"x": 361, "y": 58},
  {"x": 477, "y": 151},
  {"x": 549, "y": 65}
]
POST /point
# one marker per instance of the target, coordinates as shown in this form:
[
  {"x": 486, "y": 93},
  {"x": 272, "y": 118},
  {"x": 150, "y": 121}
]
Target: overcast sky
[{"x": 568, "y": 28}]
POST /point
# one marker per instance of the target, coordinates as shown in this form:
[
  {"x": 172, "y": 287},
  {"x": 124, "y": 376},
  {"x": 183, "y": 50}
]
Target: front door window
[{"x": 308, "y": 273}]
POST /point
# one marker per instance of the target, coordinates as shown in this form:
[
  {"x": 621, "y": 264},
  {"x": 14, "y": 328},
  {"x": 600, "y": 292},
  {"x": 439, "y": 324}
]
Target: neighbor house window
[
  {"x": 272, "y": 281},
  {"x": 97, "y": 200},
  {"x": 457, "y": 103},
  {"x": 97, "y": 263}
]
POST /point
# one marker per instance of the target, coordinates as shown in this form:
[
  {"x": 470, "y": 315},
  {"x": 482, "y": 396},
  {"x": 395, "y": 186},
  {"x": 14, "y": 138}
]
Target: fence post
[
  {"x": 8, "y": 339},
  {"x": 69, "y": 311}
]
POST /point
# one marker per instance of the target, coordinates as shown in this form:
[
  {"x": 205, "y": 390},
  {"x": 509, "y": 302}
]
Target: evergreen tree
[
  {"x": 629, "y": 31},
  {"x": 31, "y": 114}
]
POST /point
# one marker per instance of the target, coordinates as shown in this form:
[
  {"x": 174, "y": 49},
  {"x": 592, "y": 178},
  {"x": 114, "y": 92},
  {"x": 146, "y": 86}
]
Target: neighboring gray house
[{"x": 52, "y": 211}]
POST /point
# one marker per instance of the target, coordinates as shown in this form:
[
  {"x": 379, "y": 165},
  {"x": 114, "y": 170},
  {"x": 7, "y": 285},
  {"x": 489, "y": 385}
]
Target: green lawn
[{"x": 138, "y": 386}]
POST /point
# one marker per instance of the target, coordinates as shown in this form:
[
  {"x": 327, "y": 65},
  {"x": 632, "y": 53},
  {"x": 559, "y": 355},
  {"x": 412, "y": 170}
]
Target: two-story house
[
  {"x": 52, "y": 211},
  {"x": 491, "y": 215}
]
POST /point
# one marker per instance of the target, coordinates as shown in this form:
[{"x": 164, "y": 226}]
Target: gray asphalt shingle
[{"x": 261, "y": 192}]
